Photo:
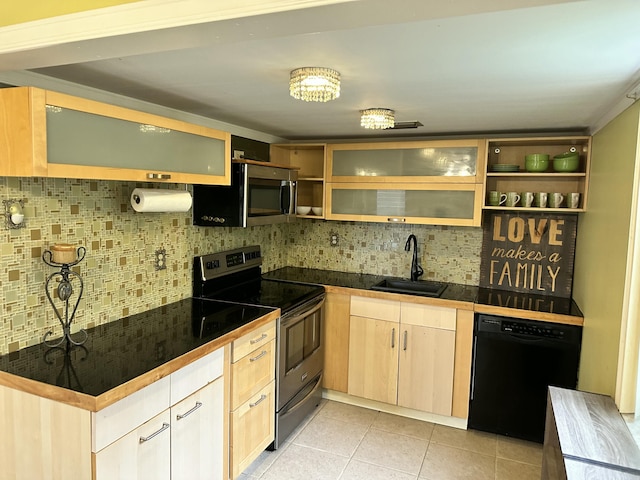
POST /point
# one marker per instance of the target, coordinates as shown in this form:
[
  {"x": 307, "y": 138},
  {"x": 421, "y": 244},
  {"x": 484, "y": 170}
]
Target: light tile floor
[{"x": 345, "y": 442}]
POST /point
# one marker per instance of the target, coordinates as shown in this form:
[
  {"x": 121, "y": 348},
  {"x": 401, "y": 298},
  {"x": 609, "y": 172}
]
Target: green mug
[{"x": 496, "y": 198}]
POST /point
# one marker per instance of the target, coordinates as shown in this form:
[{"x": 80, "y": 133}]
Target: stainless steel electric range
[{"x": 235, "y": 276}]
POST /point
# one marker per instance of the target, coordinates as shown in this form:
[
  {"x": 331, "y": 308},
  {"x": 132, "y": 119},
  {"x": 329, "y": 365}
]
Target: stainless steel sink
[{"x": 409, "y": 287}]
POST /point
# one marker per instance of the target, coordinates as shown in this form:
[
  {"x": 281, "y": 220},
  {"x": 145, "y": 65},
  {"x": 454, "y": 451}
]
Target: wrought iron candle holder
[{"x": 65, "y": 291}]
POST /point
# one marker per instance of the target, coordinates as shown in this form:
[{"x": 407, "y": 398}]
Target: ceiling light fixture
[
  {"x": 314, "y": 84},
  {"x": 377, "y": 118}
]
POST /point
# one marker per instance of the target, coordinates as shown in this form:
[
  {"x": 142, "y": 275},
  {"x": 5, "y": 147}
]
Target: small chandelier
[
  {"x": 377, "y": 118},
  {"x": 314, "y": 84}
]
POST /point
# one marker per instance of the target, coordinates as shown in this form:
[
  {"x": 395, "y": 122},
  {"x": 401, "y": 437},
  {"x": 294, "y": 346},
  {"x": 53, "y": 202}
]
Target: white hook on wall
[{"x": 14, "y": 213}]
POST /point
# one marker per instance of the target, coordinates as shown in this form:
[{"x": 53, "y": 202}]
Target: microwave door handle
[{"x": 287, "y": 197}]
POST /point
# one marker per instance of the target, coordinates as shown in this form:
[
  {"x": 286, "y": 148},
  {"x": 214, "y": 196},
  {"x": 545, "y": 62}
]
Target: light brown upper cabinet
[
  {"x": 512, "y": 152},
  {"x": 421, "y": 182},
  {"x": 309, "y": 160},
  {"x": 49, "y": 134}
]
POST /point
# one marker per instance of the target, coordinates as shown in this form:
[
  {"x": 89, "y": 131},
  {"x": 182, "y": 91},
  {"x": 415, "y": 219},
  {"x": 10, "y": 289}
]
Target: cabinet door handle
[
  {"x": 186, "y": 414},
  {"x": 396, "y": 219},
  {"x": 404, "y": 341},
  {"x": 264, "y": 352},
  {"x": 393, "y": 338},
  {"x": 262, "y": 397},
  {"x": 262, "y": 337},
  {"x": 158, "y": 176},
  {"x": 158, "y": 432}
]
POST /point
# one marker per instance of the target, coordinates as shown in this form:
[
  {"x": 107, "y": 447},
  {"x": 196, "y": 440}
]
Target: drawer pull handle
[
  {"x": 393, "y": 338},
  {"x": 262, "y": 337},
  {"x": 186, "y": 414},
  {"x": 158, "y": 432},
  {"x": 158, "y": 176},
  {"x": 396, "y": 220},
  {"x": 262, "y": 397},
  {"x": 404, "y": 343},
  {"x": 264, "y": 352}
]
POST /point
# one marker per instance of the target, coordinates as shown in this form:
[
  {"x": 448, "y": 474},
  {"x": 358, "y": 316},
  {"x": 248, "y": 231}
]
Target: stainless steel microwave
[{"x": 258, "y": 195}]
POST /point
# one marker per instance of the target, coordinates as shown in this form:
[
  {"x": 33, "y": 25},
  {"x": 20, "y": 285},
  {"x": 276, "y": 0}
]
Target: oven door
[
  {"x": 270, "y": 195},
  {"x": 300, "y": 351}
]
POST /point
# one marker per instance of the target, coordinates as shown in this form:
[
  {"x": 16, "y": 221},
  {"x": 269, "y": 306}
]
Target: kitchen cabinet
[
  {"x": 402, "y": 353},
  {"x": 336, "y": 341},
  {"x": 198, "y": 435},
  {"x": 50, "y": 134},
  {"x": 252, "y": 417},
  {"x": 184, "y": 441},
  {"x": 435, "y": 204},
  {"x": 446, "y": 161},
  {"x": 309, "y": 160},
  {"x": 512, "y": 151},
  {"x": 132, "y": 458},
  {"x": 426, "y": 182}
]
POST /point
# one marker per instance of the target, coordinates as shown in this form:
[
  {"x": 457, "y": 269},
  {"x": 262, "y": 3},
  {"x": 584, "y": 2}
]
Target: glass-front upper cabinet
[
  {"x": 447, "y": 161},
  {"x": 58, "y": 135},
  {"x": 442, "y": 204}
]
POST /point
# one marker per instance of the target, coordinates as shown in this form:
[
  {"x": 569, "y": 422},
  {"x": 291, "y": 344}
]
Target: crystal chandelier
[
  {"x": 314, "y": 84},
  {"x": 377, "y": 118}
]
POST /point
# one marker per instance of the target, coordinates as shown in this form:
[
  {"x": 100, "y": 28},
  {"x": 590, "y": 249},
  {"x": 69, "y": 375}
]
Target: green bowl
[
  {"x": 566, "y": 162},
  {"x": 536, "y": 162}
]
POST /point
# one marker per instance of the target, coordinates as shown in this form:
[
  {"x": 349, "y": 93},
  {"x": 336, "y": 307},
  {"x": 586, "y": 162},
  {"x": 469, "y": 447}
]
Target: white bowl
[
  {"x": 317, "y": 210},
  {"x": 303, "y": 210}
]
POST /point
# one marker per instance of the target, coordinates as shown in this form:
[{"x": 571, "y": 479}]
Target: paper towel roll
[{"x": 160, "y": 200}]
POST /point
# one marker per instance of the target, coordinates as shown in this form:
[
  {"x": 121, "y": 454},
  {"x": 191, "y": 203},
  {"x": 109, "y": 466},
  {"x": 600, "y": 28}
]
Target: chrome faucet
[{"x": 416, "y": 269}]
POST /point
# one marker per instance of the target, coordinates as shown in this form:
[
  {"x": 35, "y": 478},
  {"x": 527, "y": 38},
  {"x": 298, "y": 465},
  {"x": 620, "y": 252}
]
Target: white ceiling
[{"x": 457, "y": 66}]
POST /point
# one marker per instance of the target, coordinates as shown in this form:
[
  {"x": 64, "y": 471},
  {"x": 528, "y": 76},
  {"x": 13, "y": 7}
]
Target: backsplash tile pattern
[
  {"x": 448, "y": 254},
  {"x": 118, "y": 271}
]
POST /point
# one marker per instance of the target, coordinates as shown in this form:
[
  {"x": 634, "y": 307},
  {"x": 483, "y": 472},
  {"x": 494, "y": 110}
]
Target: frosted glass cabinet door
[
  {"x": 87, "y": 139},
  {"x": 441, "y": 204},
  {"x": 406, "y": 161},
  {"x": 80, "y": 138}
]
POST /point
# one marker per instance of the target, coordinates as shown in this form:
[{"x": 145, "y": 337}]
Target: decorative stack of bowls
[
  {"x": 566, "y": 162},
  {"x": 504, "y": 168},
  {"x": 536, "y": 162}
]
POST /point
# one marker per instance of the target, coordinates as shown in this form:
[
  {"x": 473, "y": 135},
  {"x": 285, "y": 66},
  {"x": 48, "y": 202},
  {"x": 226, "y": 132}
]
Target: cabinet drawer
[
  {"x": 375, "y": 308},
  {"x": 252, "y": 428},
  {"x": 127, "y": 414},
  {"x": 428, "y": 316},
  {"x": 252, "y": 372},
  {"x": 252, "y": 340},
  {"x": 131, "y": 459},
  {"x": 196, "y": 375}
]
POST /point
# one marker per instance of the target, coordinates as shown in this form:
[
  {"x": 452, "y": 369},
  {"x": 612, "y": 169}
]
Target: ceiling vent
[{"x": 405, "y": 125}]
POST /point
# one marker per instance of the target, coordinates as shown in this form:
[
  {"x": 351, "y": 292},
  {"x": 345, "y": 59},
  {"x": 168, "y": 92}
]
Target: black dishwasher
[{"x": 514, "y": 362}]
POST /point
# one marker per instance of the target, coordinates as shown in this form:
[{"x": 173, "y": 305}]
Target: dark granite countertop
[
  {"x": 122, "y": 350},
  {"x": 502, "y": 299},
  {"x": 360, "y": 281}
]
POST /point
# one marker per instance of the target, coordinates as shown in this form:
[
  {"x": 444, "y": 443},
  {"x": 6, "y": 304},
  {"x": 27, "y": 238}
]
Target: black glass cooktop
[
  {"x": 283, "y": 295},
  {"x": 119, "y": 351}
]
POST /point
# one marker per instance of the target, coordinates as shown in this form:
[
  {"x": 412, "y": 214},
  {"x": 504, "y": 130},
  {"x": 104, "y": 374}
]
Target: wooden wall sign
[{"x": 528, "y": 252}]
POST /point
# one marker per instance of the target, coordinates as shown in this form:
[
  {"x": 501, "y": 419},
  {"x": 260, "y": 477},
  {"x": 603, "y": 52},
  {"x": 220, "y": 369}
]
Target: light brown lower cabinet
[
  {"x": 336, "y": 342},
  {"x": 184, "y": 442},
  {"x": 252, "y": 418},
  {"x": 402, "y": 353},
  {"x": 252, "y": 428},
  {"x": 174, "y": 428}
]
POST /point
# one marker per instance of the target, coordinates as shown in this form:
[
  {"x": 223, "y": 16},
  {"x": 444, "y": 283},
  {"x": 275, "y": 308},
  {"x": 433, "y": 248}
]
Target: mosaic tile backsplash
[{"x": 118, "y": 270}]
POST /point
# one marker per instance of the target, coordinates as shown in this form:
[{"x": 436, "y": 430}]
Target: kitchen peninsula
[{"x": 91, "y": 409}]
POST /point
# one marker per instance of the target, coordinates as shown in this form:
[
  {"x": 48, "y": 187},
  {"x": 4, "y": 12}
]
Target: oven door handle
[
  {"x": 288, "y": 321},
  {"x": 308, "y": 395}
]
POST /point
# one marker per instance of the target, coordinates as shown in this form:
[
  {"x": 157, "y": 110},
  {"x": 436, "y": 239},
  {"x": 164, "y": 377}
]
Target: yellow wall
[
  {"x": 13, "y": 12},
  {"x": 601, "y": 250}
]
